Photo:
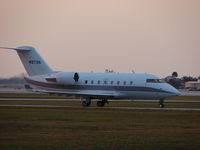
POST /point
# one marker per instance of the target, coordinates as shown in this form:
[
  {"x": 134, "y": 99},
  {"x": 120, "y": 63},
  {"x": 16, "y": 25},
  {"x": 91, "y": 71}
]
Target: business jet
[{"x": 89, "y": 85}]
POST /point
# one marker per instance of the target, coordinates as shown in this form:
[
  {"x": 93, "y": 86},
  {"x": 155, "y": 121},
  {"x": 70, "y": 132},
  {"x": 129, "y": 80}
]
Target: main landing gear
[
  {"x": 161, "y": 103},
  {"x": 87, "y": 102},
  {"x": 100, "y": 103}
]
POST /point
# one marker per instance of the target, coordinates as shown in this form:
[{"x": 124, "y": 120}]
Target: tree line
[{"x": 179, "y": 82}]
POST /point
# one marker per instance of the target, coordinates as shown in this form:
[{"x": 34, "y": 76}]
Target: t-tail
[{"x": 33, "y": 63}]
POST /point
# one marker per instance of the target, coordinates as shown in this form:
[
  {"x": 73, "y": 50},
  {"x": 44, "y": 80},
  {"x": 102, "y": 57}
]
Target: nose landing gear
[{"x": 161, "y": 103}]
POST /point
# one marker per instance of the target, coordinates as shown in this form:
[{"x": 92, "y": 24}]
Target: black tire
[
  {"x": 162, "y": 105},
  {"x": 85, "y": 104},
  {"x": 100, "y": 103}
]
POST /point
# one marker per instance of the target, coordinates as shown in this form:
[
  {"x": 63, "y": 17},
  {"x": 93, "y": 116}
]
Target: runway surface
[
  {"x": 106, "y": 107},
  {"x": 118, "y": 108},
  {"x": 77, "y": 100}
]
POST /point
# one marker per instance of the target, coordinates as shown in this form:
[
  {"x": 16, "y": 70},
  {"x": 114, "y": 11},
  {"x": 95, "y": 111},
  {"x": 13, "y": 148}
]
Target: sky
[{"x": 147, "y": 36}]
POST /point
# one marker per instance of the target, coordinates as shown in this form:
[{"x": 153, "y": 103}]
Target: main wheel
[
  {"x": 86, "y": 103},
  {"x": 100, "y": 103},
  {"x": 162, "y": 105}
]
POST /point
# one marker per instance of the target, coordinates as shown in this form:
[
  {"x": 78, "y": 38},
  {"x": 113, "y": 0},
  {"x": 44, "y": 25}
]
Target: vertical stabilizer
[{"x": 33, "y": 63}]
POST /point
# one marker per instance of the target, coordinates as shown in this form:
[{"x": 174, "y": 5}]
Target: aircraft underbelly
[{"x": 139, "y": 95}]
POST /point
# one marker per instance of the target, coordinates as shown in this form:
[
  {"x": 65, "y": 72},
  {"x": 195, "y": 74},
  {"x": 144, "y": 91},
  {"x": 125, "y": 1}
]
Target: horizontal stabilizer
[{"x": 24, "y": 48}]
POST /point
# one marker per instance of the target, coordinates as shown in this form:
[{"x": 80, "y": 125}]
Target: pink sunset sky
[{"x": 152, "y": 36}]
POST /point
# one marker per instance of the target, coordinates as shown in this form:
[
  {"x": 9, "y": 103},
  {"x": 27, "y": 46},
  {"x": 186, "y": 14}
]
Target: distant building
[{"x": 193, "y": 85}]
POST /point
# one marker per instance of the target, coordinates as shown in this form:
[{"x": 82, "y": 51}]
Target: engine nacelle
[{"x": 66, "y": 78}]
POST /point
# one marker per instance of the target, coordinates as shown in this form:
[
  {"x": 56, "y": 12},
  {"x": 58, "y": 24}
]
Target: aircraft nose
[{"x": 175, "y": 91}]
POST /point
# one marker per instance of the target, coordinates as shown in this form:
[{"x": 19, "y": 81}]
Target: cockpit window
[
  {"x": 151, "y": 80},
  {"x": 155, "y": 81}
]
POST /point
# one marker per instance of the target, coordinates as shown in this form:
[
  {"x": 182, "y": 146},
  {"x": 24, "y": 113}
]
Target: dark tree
[
  {"x": 175, "y": 74},
  {"x": 188, "y": 78}
]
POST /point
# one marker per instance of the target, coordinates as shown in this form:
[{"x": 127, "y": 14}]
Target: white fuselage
[{"x": 106, "y": 85}]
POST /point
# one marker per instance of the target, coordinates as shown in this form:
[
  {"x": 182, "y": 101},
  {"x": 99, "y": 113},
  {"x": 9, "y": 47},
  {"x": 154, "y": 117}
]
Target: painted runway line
[{"x": 117, "y": 108}]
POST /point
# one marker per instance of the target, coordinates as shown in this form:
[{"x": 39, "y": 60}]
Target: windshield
[{"x": 155, "y": 81}]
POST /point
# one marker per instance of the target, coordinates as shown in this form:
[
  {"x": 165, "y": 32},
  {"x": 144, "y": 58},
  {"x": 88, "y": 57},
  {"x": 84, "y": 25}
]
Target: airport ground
[{"x": 23, "y": 128}]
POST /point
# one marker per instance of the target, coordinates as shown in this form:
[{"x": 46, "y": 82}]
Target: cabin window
[
  {"x": 92, "y": 82},
  {"x": 131, "y": 82},
  {"x": 111, "y": 82},
  {"x": 124, "y": 82},
  {"x": 86, "y": 81},
  {"x": 98, "y": 82},
  {"x": 118, "y": 82},
  {"x": 105, "y": 82}
]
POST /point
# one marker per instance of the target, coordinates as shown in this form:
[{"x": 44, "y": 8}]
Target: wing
[{"x": 85, "y": 93}]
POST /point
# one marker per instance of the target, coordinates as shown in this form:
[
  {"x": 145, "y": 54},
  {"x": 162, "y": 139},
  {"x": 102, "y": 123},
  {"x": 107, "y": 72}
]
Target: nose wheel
[{"x": 161, "y": 103}]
